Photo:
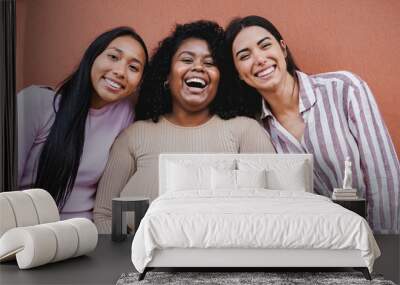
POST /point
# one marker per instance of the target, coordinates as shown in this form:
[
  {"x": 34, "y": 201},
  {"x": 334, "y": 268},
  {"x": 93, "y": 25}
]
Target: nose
[
  {"x": 119, "y": 70},
  {"x": 198, "y": 66},
  {"x": 260, "y": 58}
]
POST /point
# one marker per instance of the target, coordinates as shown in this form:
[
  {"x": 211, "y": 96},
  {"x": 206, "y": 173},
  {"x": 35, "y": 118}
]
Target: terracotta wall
[{"x": 362, "y": 36}]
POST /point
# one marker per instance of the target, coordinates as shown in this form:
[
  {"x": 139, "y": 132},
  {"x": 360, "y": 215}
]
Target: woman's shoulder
[
  {"x": 240, "y": 120},
  {"x": 137, "y": 132},
  {"x": 343, "y": 76},
  {"x": 346, "y": 84},
  {"x": 38, "y": 91},
  {"x": 36, "y": 105},
  {"x": 36, "y": 96},
  {"x": 240, "y": 125},
  {"x": 141, "y": 125}
]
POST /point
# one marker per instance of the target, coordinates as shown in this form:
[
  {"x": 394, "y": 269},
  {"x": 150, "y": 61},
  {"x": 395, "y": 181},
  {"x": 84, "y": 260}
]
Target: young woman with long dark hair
[
  {"x": 331, "y": 115},
  {"x": 65, "y": 135}
]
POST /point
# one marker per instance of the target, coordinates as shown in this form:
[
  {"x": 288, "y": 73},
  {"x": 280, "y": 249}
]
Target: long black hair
[
  {"x": 155, "y": 99},
  {"x": 61, "y": 154},
  {"x": 247, "y": 98}
]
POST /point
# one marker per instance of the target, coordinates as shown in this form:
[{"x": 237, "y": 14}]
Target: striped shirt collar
[{"x": 307, "y": 96}]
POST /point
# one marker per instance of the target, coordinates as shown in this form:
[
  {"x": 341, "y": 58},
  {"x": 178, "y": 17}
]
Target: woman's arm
[
  {"x": 120, "y": 167},
  {"x": 378, "y": 158}
]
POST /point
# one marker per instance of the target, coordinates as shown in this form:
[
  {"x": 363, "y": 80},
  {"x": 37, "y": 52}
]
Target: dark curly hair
[
  {"x": 155, "y": 99},
  {"x": 247, "y": 99}
]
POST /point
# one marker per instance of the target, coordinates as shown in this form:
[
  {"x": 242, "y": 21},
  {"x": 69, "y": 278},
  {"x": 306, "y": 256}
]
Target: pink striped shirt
[{"x": 342, "y": 119}]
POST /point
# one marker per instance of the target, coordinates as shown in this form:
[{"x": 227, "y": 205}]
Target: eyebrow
[
  {"x": 192, "y": 53},
  {"x": 259, "y": 42},
  {"x": 121, "y": 51}
]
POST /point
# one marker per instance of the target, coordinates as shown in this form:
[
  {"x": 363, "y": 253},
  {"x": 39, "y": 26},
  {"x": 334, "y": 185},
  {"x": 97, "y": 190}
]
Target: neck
[
  {"x": 96, "y": 102},
  {"x": 188, "y": 119},
  {"x": 284, "y": 98}
]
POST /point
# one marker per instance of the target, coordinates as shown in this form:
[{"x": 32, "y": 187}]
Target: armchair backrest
[{"x": 26, "y": 208}]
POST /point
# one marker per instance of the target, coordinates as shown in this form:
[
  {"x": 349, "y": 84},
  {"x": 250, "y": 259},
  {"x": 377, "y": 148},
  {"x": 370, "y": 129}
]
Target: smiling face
[
  {"x": 260, "y": 59},
  {"x": 117, "y": 71},
  {"x": 193, "y": 78}
]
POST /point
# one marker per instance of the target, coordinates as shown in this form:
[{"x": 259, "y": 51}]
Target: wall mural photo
[{"x": 279, "y": 117}]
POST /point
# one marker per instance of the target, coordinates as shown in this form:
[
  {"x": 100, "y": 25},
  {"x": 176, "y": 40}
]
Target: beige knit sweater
[{"x": 132, "y": 168}]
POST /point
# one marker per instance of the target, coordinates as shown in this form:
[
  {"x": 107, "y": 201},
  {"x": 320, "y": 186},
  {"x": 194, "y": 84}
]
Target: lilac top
[
  {"x": 35, "y": 118},
  {"x": 342, "y": 119}
]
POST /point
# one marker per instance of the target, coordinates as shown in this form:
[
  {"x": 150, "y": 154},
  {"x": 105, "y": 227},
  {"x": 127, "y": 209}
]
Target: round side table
[{"x": 120, "y": 205}]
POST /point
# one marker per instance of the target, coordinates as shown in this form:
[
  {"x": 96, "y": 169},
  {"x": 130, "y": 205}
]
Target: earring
[
  {"x": 284, "y": 49},
  {"x": 165, "y": 84}
]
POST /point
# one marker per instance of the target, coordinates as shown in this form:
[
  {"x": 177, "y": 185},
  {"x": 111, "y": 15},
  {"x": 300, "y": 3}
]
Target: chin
[
  {"x": 198, "y": 99},
  {"x": 109, "y": 100},
  {"x": 197, "y": 104},
  {"x": 268, "y": 86}
]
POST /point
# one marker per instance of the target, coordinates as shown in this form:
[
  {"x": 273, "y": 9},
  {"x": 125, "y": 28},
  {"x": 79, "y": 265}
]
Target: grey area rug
[{"x": 244, "y": 278}]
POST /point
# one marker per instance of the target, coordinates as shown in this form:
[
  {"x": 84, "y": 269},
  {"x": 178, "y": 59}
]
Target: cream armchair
[{"x": 31, "y": 230}]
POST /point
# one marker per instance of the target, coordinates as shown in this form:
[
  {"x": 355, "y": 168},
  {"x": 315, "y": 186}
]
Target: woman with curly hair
[{"x": 181, "y": 108}]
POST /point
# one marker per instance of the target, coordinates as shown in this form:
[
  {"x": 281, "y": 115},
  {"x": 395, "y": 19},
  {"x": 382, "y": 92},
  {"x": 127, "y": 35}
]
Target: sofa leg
[{"x": 364, "y": 271}]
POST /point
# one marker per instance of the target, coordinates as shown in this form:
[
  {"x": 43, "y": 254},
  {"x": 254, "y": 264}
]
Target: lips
[
  {"x": 113, "y": 84},
  {"x": 265, "y": 72},
  {"x": 196, "y": 82}
]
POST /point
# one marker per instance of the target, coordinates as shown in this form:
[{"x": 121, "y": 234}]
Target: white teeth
[
  {"x": 265, "y": 72},
  {"x": 195, "y": 79},
  {"x": 113, "y": 84}
]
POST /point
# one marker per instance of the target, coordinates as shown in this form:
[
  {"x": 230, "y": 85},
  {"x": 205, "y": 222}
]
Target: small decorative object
[
  {"x": 347, "y": 192},
  {"x": 347, "y": 181}
]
